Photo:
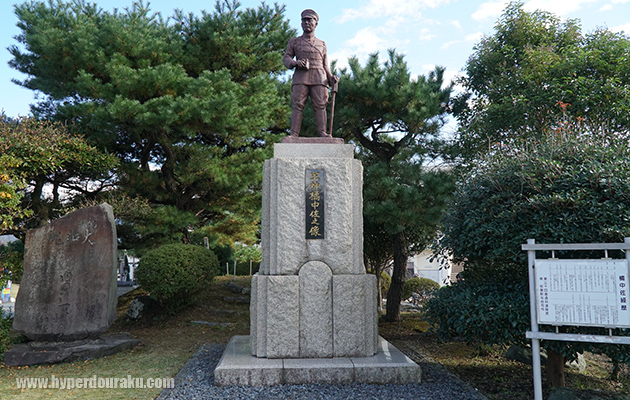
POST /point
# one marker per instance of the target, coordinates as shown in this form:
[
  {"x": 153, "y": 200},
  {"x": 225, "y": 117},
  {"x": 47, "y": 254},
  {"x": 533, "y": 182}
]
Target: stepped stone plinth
[{"x": 313, "y": 307}]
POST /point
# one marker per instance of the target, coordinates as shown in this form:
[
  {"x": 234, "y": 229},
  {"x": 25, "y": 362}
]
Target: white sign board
[{"x": 583, "y": 292}]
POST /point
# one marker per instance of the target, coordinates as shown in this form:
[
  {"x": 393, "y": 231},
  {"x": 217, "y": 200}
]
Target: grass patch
[{"x": 168, "y": 341}]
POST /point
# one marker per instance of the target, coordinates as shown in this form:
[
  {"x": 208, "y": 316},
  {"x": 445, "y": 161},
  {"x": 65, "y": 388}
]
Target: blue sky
[{"x": 428, "y": 32}]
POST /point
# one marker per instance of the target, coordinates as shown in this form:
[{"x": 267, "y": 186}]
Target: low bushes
[
  {"x": 386, "y": 282},
  {"x": 175, "y": 273},
  {"x": 490, "y": 313},
  {"x": 6, "y": 322},
  {"x": 242, "y": 268},
  {"x": 423, "y": 287}
]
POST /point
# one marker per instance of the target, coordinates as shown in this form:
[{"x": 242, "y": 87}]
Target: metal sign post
[
  {"x": 592, "y": 292},
  {"x": 531, "y": 261}
]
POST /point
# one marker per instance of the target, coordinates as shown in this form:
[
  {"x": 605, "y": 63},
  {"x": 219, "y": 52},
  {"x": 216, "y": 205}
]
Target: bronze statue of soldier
[{"x": 312, "y": 76}]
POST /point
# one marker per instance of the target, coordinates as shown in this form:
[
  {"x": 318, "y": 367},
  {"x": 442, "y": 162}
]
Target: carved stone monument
[
  {"x": 68, "y": 289},
  {"x": 312, "y": 229},
  {"x": 67, "y": 296},
  {"x": 313, "y": 307}
]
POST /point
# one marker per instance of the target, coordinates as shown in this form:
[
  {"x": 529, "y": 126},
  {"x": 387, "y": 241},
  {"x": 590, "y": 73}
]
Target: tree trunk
[
  {"x": 616, "y": 371},
  {"x": 394, "y": 296},
  {"x": 379, "y": 292},
  {"x": 555, "y": 369},
  {"x": 40, "y": 211}
]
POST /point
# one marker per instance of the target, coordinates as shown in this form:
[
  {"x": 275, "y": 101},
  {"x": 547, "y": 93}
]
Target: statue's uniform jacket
[{"x": 315, "y": 52}]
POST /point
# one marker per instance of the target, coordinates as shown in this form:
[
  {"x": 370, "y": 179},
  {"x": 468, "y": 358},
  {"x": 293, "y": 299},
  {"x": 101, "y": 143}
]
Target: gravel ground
[{"x": 196, "y": 381}]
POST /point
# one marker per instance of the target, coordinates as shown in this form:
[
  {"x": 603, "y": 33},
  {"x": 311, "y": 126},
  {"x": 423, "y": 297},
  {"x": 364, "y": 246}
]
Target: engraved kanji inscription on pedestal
[{"x": 315, "y": 197}]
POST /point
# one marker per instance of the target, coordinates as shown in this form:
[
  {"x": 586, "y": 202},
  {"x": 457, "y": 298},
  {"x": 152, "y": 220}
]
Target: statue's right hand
[{"x": 302, "y": 64}]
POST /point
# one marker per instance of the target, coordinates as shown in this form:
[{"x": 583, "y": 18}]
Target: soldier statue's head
[{"x": 309, "y": 20}]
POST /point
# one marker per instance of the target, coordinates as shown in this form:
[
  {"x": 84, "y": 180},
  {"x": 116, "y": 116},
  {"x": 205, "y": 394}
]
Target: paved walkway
[{"x": 120, "y": 290}]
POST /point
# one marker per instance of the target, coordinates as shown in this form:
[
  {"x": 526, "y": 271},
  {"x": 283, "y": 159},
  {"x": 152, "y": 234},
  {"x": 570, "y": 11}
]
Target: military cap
[{"x": 310, "y": 14}]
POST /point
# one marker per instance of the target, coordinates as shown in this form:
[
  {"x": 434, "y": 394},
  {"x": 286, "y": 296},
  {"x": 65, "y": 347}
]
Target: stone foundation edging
[{"x": 239, "y": 367}]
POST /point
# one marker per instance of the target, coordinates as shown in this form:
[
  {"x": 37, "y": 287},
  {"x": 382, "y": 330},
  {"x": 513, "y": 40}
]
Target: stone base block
[
  {"x": 314, "y": 314},
  {"x": 286, "y": 182},
  {"x": 33, "y": 353},
  {"x": 312, "y": 140},
  {"x": 239, "y": 367}
]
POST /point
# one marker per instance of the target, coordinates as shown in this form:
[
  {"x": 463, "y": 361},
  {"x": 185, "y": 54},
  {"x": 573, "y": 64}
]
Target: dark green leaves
[
  {"x": 187, "y": 104},
  {"x": 516, "y": 78}
]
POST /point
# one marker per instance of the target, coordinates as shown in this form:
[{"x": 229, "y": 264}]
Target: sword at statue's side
[{"x": 335, "y": 86}]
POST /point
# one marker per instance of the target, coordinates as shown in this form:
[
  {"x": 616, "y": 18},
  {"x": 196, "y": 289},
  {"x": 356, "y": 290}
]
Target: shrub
[
  {"x": 570, "y": 187},
  {"x": 6, "y": 322},
  {"x": 386, "y": 281},
  {"x": 223, "y": 253},
  {"x": 566, "y": 189},
  {"x": 423, "y": 287},
  {"x": 487, "y": 313},
  {"x": 175, "y": 273},
  {"x": 11, "y": 262}
]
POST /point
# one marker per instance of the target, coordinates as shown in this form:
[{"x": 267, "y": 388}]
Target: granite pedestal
[
  {"x": 313, "y": 308},
  {"x": 388, "y": 366}
]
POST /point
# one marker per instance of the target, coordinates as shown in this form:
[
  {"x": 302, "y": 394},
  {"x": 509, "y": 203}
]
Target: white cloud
[
  {"x": 389, "y": 8},
  {"x": 398, "y": 23},
  {"x": 457, "y": 25},
  {"x": 379, "y": 8},
  {"x": 394, "y": 22},
  {"x": 366, "y": 41},
  {"x": 489, "y": 10},
  {"x": 558, "y": 7},
  {"x": 373, "y": 39},
  {"x": 471, "y": 38},
  {"x": 621, "y": 28},
  {"x": 450, "y": 76},
  {"x": 341, "y": 56},
  {"x": 426, "y": 35},
  {"x": 612, "y": 4},
  {"x": 426, "y": 68}
]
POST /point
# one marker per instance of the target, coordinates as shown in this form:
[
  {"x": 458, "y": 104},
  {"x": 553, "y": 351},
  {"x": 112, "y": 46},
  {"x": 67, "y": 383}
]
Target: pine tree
[
  {"x": 187, "y": 104},
  {"x": 396, "y": 120}
]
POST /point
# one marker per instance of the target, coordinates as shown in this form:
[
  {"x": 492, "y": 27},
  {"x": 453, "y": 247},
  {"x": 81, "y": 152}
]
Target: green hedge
[
  {"x": 6, "y": 323},
  {"x": 570, "y": 187},
  {"x": 242, "y": 269},
  {"x": 175, "y": 273},
  {"x": 386, "y": 282},
  {"x": 424, "y": 287},
  {"x": 489, "y": 313}
]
